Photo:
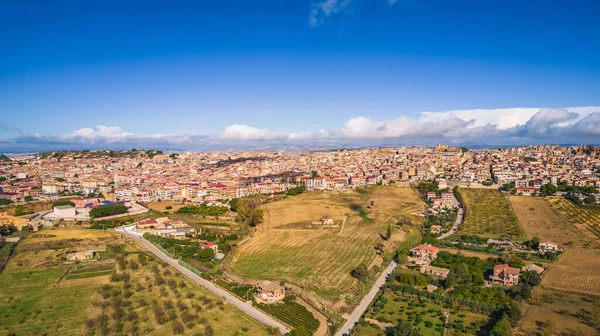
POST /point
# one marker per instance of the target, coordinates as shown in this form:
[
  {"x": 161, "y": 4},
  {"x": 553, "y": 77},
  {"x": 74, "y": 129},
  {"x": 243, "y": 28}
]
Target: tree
[
  {"x": 404, "y": 329},
  {"x": 63, "y": 202},
  {"x": 380, "y": 248},
  {"x": 531, "y": 278},
  {"x": 501, "y": 328},
  {"x": 206, "y": 254},
  {"x": 7, "y": 230},
  {"x": 299, "y": 331},
  {"x": 513, "y": 312},
  {"x": 28, "y": 198},
  {"x": 360, "y": 272},
  {"x": 589, "y": 200},
  {"x": 388, "y": 234},
  {"x": 19, "y": 210},
  {"x": 255, "y": 217}
]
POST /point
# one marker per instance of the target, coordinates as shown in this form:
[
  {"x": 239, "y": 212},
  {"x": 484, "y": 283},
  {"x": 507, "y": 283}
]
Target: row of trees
[
  {"x": 203, "y": 210},
  {"x": 108, "y": 210}
]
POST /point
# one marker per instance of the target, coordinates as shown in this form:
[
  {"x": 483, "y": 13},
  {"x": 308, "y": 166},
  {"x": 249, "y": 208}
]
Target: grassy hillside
[
  {"x": 124, "y": 291},
  {"x": 285, "y": 248}
]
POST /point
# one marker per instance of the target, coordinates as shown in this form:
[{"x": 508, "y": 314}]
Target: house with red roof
[
  {"x": 210, "y": 245},
  {"x": 426, "y": 252},
  {"x": 507, "y": 276}
]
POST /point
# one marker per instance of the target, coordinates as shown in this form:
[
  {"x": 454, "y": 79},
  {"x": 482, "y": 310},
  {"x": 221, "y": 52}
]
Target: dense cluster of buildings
[{"x": 210, "y": 177}]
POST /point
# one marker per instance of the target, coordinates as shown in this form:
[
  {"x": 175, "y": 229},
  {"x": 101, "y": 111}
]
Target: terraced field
[
  {"x": 489, "y": 214},
  {"x": 321, "y": 260},
  {"x": 578, "y": 268},
  {"x": 587, "y": 218}
]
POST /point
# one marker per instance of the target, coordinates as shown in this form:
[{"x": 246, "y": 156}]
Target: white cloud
[
  {"x": 504, "y": 118},
  {"x": 321, "y": 9},
  {"x": 456, "y": 125},
  {"x": 245, "y": 132}
]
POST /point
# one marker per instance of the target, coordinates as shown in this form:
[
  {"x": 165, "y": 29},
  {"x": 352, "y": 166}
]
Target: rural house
[
  {"x": 210, "y": 245},
  {"x": 548, "y": 246},
  {"x": 269, "y": 292},
  {"x": 507, "y": 276},
  {"x": 425, "y": 252}
]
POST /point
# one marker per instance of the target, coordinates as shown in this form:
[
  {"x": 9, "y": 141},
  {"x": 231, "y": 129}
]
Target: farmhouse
[
  {"x": 425, "y": 252},
  {"x": 438, "y": 272},
  {"x": 270, "y": 292},
  {"x": 507, "y": 276},
  {"x": 83, "y": 255},
  {"x": 548, "y": 246},
  {"x": 210, "y": 245}
]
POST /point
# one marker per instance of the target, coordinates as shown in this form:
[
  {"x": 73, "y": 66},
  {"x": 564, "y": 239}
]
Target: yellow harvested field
[
  {"x": 577, "y": 270},
  {"x": 540, "y": 219},
  {"x": 547, "y": 304},
  {"x": 466, "y": 253},
  {"x": 321, "y": 260},
  {"x": 303, "y": 208},
  {"x": 162, "y": 206},
  {"x": 586, "y": 218},
  {"x": 558, "y": 220},
  {"x": 61, "y": 234}
]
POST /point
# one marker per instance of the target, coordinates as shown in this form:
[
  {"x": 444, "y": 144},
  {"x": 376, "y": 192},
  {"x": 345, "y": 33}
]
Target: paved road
[
  {"x": 246, "y": 308},
  {"x": 364, "y": 303},
  {"x": 454, "y": 229}
]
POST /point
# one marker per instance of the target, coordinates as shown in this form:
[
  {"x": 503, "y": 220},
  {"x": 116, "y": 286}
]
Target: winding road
[
  {"x": 364, "y": 303},
  {"x": 243, "y": 306},
  {"x": 454, "y": 229}
]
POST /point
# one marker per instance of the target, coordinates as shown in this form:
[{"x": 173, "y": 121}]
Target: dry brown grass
[
  {"x": 162, "y": 206},
  {"x": 577, "y": 270},
  {"x": 559, "y": 308},
  {"x": 303, "y": 208},
  {"x": 321, "y": 260},
  {"x": 539, "y": 219},
  {"x": 578, "y": 267}
]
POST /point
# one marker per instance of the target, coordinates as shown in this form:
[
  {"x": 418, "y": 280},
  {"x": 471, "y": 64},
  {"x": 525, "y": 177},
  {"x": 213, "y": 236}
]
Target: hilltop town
[{"x": 146, "y": 176}]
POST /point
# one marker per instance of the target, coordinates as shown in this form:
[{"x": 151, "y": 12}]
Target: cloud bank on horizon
[{"x": 509, "y": 126}]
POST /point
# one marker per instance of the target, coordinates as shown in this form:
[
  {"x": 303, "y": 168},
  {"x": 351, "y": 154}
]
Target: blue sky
[{"x": 286, "y": 71}]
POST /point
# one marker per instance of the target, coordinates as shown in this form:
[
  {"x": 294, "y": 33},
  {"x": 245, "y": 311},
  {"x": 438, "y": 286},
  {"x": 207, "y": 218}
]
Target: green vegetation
[
  {"x": 7, "y": 230},
  {"x": 4, "y": 158},
  {"x": 63, "y": 202},
  {"x": 126, "y": 293},
  {"x": 203, "y": 210},
  {"x": 292, "y": 314},
  {"x": 295, "y": 190},
  {"x": 5, "y": 201},
  {"x": 184, "y": 249},
  {"x": 108, "y": 210},
  {"x": 490, "y": 215}
]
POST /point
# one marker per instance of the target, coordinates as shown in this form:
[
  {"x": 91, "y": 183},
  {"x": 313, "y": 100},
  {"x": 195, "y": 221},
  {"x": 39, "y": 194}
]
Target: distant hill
[{"x": 4, "y": 158}]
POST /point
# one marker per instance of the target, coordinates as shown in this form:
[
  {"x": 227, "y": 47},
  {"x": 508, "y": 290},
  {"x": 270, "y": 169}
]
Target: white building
[{"x": 64, "y": 211}]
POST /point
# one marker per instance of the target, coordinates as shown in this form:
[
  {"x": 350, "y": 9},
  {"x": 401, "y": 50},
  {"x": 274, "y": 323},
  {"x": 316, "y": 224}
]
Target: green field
[
  {"x": 42, "y": 294},
  {"x": 425, "y": 317},
  {"x": 489, "y": 214},
  {"x": 291, "y": 313}
]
